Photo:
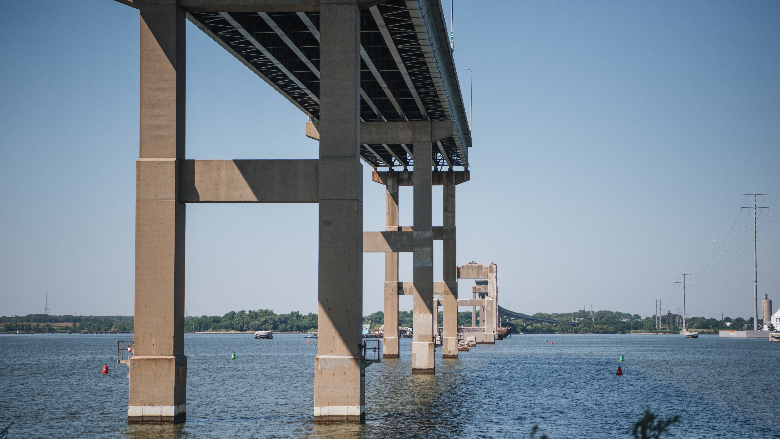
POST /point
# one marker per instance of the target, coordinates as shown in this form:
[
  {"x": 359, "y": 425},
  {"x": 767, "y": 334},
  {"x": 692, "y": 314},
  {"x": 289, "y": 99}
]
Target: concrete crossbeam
[
  {"x": 403, "y": 132},
  {"x": 473, "y": 271},
  {"x": 394, "y": 132},
  {"x": 471, "y": 302},
  {"x": 438, "y": 178},
  {"x": 250, "y": 181},
  {"x": 396, "y": 241},
  {"x": 388, "y": 242}
]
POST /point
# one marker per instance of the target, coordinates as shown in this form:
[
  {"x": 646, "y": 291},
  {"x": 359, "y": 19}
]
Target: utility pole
[
  {"x": 46, "y": 308},
  {"x": 755, "y": 264},
  {"x": 660, "y": 314},
  {"x": 452, "y": 25},
  {"x": 656, "y": 313},
  {"x": 683, "y": 314}
]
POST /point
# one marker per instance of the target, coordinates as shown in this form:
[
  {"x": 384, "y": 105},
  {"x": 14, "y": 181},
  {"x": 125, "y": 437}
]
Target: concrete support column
[
  {"x": 450, "y": 334},
  {"x": 474, "y": 309},
  {"x": 424, "y": 318},
  {"x": 158, "y": 368},
  {"x": 390, "y": 340},
  {"x": 490, "y": 334},
  {"x": 493, "y": 292},
  {"x": 339, "y": 379}
]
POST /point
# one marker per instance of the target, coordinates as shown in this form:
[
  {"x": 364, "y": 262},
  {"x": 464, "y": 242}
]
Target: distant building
[{"x": 775, "y": 320}]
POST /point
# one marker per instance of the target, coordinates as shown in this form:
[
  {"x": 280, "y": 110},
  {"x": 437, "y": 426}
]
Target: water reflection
[{"x": 51, "y": 386}]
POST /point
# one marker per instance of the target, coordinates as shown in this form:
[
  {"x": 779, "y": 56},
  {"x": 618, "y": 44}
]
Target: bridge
[
  {"x": 505, "y": 313},
  {"x": 378, "y": 83}
]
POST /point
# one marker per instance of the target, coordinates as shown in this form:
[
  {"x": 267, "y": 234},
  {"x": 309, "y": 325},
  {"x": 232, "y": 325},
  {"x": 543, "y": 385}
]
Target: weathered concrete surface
[
  {"x": 471, "y": 302},
  {"x": 423, "y": 317},
  {"x": 339, "y": 381},
  {"x": 405, "y": 178},
  {"x": 158, "y": 370},
  {"x": 250, "y": 181},
  {"x": 450, "y": 275},
  {"x": 390, "y": 340},
  {"x": 400, "y": 240},
  {"x": 394, "y": 132},
  {"x": 490, "y": 323},
  {"x": 388, "y": 242},
  {"x": 489, "y": 318},
  {"x": 403, "y": 132}
]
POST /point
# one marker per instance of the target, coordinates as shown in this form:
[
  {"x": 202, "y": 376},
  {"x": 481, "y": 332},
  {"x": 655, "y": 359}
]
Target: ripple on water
[{"x": 51, "y": 386}]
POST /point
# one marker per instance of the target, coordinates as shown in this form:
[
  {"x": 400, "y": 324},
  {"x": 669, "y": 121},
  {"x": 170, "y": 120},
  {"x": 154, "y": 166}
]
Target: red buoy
[
  {"x": 619, "y": 372},
  {"x": 105, "y": 369}
]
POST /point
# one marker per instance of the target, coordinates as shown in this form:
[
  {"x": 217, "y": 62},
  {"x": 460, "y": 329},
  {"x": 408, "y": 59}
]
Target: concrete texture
[
  {"x": 390, "y": 340},
  {"x": 405, "y": 178},
  {"x": 158, "y": 370},
  {"x": 450, "y": 275},
  {"x": 393, "y": 132},
  {"x": 489, "y": 318},
  {"x": 339, "y": 379},
  {"x": 250, "y": 181},
  {"x": 423, "y": 317},
  {"x": 404, "y": 132}
]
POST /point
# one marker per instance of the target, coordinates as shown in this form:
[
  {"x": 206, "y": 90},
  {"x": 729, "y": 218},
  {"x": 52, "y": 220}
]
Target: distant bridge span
[{"x": 503, "y": 312}]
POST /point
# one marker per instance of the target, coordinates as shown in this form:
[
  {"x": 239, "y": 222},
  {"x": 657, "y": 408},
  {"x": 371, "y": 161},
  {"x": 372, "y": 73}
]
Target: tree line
[
  {"x": 609, "y": 322},
  {"x": 45, "y": 323},
  {"x": 599, "y": 322}
]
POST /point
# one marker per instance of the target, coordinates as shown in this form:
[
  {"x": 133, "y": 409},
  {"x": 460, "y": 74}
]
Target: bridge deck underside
[{"x": 404, "y": 75}]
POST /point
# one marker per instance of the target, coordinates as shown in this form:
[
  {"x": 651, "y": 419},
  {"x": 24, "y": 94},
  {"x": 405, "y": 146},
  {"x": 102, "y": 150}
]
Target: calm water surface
[{"x": 51, "y": 386}]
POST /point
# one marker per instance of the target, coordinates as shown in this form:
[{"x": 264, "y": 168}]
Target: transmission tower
[{"x": 755, "y": 264}]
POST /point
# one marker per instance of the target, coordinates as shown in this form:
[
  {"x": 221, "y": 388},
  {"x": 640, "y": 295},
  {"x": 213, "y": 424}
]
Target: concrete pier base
[
  {"x": 157, "y": 390},
  {"x": 338, "y": 379},
  {"x": 448, "y": 345},
  {"x": 423, "y": 357}
]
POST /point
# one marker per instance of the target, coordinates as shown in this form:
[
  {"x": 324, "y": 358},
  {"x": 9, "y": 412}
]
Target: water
[{"x": 51, "y": 386}]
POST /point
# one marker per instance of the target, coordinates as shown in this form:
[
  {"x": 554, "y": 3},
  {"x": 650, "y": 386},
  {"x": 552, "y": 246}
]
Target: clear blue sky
[{"x": 612, "y": 144}]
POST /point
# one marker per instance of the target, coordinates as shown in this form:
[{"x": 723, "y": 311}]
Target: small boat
[
  {"x": 312, "y": 335},
  {"x": 774, "y": 336},
  {"x": 691, "y": 334},
  {"x": 264, "y": 335}
]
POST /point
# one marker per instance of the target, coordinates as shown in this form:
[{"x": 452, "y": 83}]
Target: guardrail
[
  {"x": 372, "y": 351},
  {"x": 124, "y": 350}
]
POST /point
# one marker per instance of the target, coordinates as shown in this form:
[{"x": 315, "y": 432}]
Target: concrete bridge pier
[
  {"x": 450, "y": 275},
  {"x": 423, "y": 353},
  {"x": 158, "y": 368},
  {"x": 339, "y": 377},
  {"x": 390, "y": 340}
]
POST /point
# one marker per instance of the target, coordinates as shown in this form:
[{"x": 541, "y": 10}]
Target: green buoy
[
  {"x": 233, "y": 357},
  {"x": 621, "y": 358}
]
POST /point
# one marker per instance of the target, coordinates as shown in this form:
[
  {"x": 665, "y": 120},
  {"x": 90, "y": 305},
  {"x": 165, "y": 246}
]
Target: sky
[{"x": 612, "y": 144}]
